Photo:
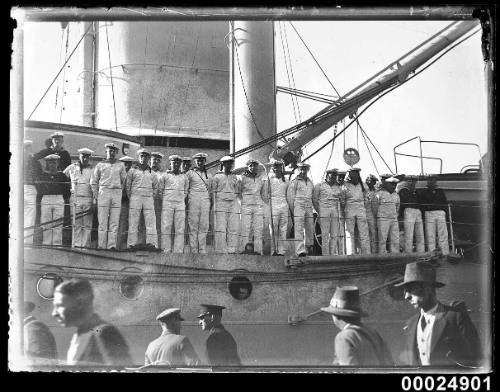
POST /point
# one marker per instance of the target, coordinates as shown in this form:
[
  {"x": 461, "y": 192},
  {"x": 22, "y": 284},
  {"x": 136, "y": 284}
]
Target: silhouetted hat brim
[
  {"x": 344, "y": 312},
  {"x": 435, "y": 283}
]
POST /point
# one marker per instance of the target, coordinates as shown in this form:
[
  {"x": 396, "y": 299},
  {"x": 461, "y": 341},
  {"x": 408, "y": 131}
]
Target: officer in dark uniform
[{"x": 221, "y": 348}]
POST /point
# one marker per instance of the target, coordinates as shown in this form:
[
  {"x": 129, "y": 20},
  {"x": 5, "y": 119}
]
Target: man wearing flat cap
[
  {"x": 81, "y": 198},
  {"x": 124, "y": 210},
  {"x": 157, "y": 170},
  {"x": 252, "y": 207},
  {"x": 54, "y": 189},
  {"x": 221, "y": 348},
  {"x": 300, "y": 199},
  {"x": 327, "y": 203},
  {"x": 108, "y": 181},
  {"x": 186, "y": 164},
  {"x": 141, "y": 185},
  {"x": 227, "y": 223},
  {"x": 370, "y": 193},
  {"x": 386, "y": 209},
  {"x": 171, "y": 348},
  {"x": 199, "y": 203},
  {"x": 172, "y": 190},
  {"x": 56, "y": 147},
  {"x": 355, "y": 344},
  {"x": 438, "y": 335}
]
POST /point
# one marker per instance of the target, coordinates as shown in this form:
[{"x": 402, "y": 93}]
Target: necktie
[{"x": 423, "y": 323}]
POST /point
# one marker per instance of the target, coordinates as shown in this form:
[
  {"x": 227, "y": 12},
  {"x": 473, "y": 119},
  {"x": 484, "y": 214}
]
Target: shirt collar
[{"x": 430, "y": 312}]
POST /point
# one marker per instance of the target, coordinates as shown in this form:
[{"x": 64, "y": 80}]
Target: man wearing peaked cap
[
  {"x": 186, "y": 164},
  {"x": 157, "y": 171},
  {"x": 355, "y": 344},
  {"x": 81, "y": 198},
  {"x": 221, "y": 348},
  {"x": 225, "y": 187},
  {"x": 438, "y": 335},
  {"x": 171, "y": 348},
  {"x": 370, "y": 193},
  {"x": 111, "y": 145},
  {"x": 386, "y": 209},
  {"x": 411, "y": 214},
  {"x": 124, "y": 211},
  {"x": 172, "y": 191},
  {"x": 199, "y": 203},
  {"x": 56, "y": 147},
  {"x": 54, "y": 189}
]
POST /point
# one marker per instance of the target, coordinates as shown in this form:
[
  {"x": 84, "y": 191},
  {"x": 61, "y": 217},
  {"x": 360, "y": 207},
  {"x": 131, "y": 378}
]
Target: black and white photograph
[{"x": 249, "y": 190}]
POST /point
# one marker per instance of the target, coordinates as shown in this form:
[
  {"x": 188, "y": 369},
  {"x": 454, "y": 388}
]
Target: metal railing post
[{"x": 451, "y": 229}]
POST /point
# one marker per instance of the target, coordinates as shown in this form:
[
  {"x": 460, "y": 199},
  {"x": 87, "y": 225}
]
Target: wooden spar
[{"x": 334, "y": 113}]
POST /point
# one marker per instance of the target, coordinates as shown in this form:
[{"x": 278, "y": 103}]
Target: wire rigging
[
  {"x": 64, "y": 76},
  {"x": 142, "y": 95},
  {"x": 111, "y": 76},
  {"x": 291, "y": 72},
  {"x": 287, "y": 72}
]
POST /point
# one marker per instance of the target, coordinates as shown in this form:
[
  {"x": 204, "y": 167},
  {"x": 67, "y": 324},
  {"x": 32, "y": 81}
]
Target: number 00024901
[{"x": 443, "y": 383}]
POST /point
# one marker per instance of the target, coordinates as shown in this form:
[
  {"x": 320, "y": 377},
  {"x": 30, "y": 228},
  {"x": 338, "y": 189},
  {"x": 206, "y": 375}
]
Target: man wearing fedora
[
  {"x": 355, "y": 344},
  {"x": 171, "y": 348},
  {"x": 221, "y": 348},
  {"x": 438, "y": 335}
]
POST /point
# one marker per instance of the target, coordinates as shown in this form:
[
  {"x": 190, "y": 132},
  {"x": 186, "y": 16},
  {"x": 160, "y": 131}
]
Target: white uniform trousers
[
  {"x": 123, "y": 225},
  {"x": 413, "y": 224},
  {"x": 198, "y": 220},
  {"x": 436, "y": 220},
  {"x": 227, "y": 224},
  {"x": 280, "y": 224},
  {"x": 145, "y": 205},
  {"x": 252, "y": 221},
  {"x": 388, "y": 227},
  {"x": 173, "y": 214},
  {"x": 52, "y": 207},
  {"x": 82, "y": 227},
  {"x": 357, "y": 216},
  {"x": 158, "y": 212},
  {"x": 29, "y": 212},
  {"x": 303, "y": 224},
  {"x": 108, "y": 213},
  {"x": 330, "y": 223},
  {"x": 372, "y": 231}
]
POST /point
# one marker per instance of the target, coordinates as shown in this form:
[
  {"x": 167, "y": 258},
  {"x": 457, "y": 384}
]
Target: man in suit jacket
[
  {"x": 355, "y": 344},
  {"x": 39, "y": 343},
  {"x": 438, "y": 335},
  {"x": 221, "y": 348},
  {"x": 95, "y": 342},
  {"x": 171, "y": 348}
]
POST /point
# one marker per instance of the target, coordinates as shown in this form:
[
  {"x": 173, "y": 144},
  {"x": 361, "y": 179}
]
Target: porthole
[
  {"x": 46, "y": 285},
  {"x": 131, "y": 286},
  {"x": 240, "y": 288}
]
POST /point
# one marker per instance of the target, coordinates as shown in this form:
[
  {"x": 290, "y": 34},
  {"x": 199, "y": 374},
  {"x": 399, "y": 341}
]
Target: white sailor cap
[
  {"x": 126, "y": 158},
  {"x": 303, "y": 164},
  {"x": 175, "y": 158},
  {"x": 354, "y": 169},
  {"x": 141, "y": 151},
  {"x": 85, "y": 151},
  {"x": 226, "y": 158},
  {"x": 52, "y": 157},
  {"x": 200, "y": 155},
  {"x": 251, "y": 160},
  {"x": 170, "y": 313},
  {"x": 392, "y": 179},
  {"x": 384, "y": 176},
  {"x": 28, "y": 142},
  {"x": 57, "y": 134},
  {"x": 186, "y": 159},
  {"x": 157, "y": 154},
  {"x": 334, "y": 170},
  {"x": 111, "y": 145}
]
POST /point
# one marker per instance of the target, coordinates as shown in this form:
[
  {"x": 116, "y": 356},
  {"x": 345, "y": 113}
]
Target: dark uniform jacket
[
  {"x": 454, "y": 340},
  {"x": 64, "y": 162},
  {"x": 171, "y": 349},
  {"x": 101, "y": 344},
  {"x": 54, "y": 184},
  {"x": 433, "y": 199},
  {"x": 221, "y": 348},
  {"x": 357, "y": 345},
  {"x": 38, "y": 340}
]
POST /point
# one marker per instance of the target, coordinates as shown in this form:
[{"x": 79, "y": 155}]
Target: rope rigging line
[
  {"x": 369, "y": 152},
  {"x": 380, "y": 155},
  {"x": 291, "y": 71},
  {"x": 64, "y": 76},
  {"x": 111, "y": 77},
  {"x": 142, "y": 94},
  {"x": 59, "y": 72},
  {"x": 287, "y": 72},
  {"x": 393, "y": 88},
  {"x": 60, "y": 60}
]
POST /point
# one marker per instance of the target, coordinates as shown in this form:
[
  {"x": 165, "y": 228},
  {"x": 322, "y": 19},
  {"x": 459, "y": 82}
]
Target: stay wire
[
  {"x": 369, "y": 152},
  {"x": 142, "y": 95},
  {"x": 64, "y": 76},
  {"x": 287, "y": 72},
  {"x": 59, "y": 72},
  {"x": 111, "y": 77},
  {"x": 291, "y": 72}
]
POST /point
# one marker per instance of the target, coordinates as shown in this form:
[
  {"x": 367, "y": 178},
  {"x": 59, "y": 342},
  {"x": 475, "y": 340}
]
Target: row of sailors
[{"x": 370, "y": 213}]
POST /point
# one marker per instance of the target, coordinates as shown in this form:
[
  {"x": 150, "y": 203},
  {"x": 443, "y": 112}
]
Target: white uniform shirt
[
  {"x": 200, "y": 184},
  {"x": 157, "y": 174},
  {"x": 424, "y": 337},
  {"x": 226, "y": 187},
  {"x": 252, "y": 190},
  {"x": 327, "y": 196},
  {"x": 108, "y": 175},
  {"x": 369, "y": 196},
  {"x": 300, "y": 192},
  {"x": 173, "y": 187},
  {"x": 141, "y": 183},
  {"x": 353, "y": 195},
  {"x": 388, "y": 204},
  {"x": 278, "y": 189},
  {"x": 80, "y": 180}
]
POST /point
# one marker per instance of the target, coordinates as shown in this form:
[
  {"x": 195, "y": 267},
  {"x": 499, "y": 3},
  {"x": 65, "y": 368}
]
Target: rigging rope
[
  {"x": 64, "y": 75},
  {"x": 60, "y": 60},
  {"x": 142, "y": 95},
  {"x": 291, "y": 71},
  {"x": 380, "y": 155},
  {"x": 287, "y": 72},
  {"x": 369, "y": 152},
  {"x": 59, "y": 72},
  {"x": 111, "y": 76}
]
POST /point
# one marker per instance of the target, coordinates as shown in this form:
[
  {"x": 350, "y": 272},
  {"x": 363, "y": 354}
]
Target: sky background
[{"x": 447, "y": 102}]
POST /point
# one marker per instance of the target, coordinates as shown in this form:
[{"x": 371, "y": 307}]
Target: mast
[
  {"x": 89, "y": 75},
  {"x": 346, "y": 106}
]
